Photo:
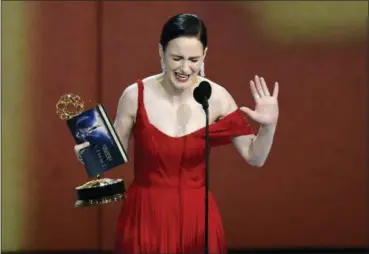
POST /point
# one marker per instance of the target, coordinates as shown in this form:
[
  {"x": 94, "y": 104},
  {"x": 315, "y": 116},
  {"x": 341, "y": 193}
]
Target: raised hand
[{"x": 266, "y": 106}]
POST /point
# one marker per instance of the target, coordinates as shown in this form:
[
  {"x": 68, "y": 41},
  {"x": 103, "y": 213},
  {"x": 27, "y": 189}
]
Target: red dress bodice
[{"x": 164, "y": 209}]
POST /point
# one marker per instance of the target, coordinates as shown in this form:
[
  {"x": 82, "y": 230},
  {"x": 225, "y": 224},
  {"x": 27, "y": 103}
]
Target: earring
[
  {"x": 202, "y": 70},
  {"x": 162, "y": 64}
]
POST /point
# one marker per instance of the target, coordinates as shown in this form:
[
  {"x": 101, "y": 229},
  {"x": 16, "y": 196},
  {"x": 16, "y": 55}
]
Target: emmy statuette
[{"x": 104, "y": 152}]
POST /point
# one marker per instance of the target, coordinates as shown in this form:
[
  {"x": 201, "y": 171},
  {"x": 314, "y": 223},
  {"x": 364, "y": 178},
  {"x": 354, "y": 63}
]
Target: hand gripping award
[{"x": 104, "y": 152}]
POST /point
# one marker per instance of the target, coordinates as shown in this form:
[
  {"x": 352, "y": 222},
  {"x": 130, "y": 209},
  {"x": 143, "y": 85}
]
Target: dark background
[{"x": 312, "y": 191}]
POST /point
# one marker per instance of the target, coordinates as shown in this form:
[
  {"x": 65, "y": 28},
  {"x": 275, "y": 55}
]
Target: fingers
[
  {"x": 276, "y": 90},
  {"x": 254, "y": 92},
  {"x": 264, "y": 87},
  {"x": 251, "y": 113},
  {"x": 259, "y": 88},
  {"x": 78, "y": 148},
  {"x": 247, "y": 111}
]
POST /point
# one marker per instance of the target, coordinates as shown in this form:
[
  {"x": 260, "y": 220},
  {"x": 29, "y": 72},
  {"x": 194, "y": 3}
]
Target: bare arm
[
  {"x": 124, "y": 121},
  {"x": 254, "y": 149},
  {"x": 126, "y": 115}
]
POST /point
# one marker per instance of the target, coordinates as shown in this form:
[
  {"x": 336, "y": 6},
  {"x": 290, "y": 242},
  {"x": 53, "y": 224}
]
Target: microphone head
[{"x": 202, "y": 92}]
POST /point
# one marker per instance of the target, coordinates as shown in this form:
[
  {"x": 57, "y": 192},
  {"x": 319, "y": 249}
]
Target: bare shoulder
[
  {"x": 127, "y": 105},
  {"x": 130, "y": 92},
  {"x": 128, "y": 101},
  {"x": 151, "y": 82},
  {"x": 222, "y": 99},
  {"x": 218, "y": 91}
]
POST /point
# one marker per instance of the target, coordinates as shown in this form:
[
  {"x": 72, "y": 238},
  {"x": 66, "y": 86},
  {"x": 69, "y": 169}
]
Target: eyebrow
[{"x": 192, "y": 57}]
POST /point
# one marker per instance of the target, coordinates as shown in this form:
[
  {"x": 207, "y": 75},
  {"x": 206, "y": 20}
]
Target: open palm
[{"x": 266, "y": 106}]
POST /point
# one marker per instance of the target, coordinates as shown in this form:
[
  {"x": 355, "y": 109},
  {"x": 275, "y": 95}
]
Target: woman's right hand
[{"x": 78, "y": 148}]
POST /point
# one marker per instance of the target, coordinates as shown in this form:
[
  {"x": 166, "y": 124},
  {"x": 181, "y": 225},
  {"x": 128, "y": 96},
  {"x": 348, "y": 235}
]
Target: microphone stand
[{"x": 205, "y": 106}]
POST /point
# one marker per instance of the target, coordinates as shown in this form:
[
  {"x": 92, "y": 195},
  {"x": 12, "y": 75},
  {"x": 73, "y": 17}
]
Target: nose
[{"x": 185, "y": 67}]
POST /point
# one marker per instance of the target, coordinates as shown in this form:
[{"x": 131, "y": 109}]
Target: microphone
[{"x": 202, "y": 94}]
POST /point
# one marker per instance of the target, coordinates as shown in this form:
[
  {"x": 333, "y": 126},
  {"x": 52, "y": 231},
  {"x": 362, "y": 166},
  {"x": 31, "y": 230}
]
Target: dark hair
[{"x": 183, "y": 25}]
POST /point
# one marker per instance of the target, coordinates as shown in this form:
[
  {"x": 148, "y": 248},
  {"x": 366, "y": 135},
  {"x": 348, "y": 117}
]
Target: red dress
[{"x": 164, "y": 209}]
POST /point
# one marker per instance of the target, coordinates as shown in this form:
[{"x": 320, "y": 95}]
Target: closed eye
[{"x": 192, "y": 59}]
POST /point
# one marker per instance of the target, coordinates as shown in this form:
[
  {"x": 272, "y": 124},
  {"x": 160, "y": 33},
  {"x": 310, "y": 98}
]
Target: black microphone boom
[{"x": 202, "y": 94}]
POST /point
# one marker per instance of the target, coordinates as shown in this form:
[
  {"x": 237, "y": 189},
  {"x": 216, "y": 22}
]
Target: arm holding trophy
[
  {"x": 98, "y": 148},
  {"x": 125, "y": 119},
  {"x": 126, "y": 114}
]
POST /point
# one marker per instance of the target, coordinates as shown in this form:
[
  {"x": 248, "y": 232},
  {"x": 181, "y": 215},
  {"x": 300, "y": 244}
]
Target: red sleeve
[{"x": 233, "y": 125}]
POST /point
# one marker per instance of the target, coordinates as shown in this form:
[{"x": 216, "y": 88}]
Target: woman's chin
[{"x": 183, "y": 84}]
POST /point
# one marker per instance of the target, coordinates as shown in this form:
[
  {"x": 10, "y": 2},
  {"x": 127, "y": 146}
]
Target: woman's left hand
[{"x": 266, "y": 109}]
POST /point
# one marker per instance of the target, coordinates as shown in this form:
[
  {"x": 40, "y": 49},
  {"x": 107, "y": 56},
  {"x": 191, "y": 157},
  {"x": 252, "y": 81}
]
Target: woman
[{"x": 164, "y": 209}]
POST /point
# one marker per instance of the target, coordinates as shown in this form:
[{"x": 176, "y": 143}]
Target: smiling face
[{"x": 183, "y": 58}]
